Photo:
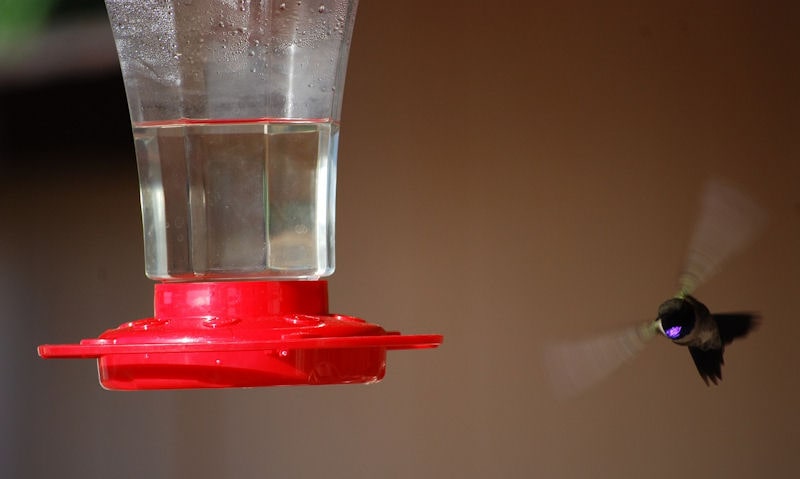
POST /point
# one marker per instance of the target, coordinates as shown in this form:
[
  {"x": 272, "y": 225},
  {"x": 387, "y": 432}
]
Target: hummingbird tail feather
[{"x": 708, "y": 363}]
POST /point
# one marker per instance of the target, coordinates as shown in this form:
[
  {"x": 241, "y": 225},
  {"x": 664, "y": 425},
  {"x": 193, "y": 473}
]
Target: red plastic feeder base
[{"x": 240, "y": 334}]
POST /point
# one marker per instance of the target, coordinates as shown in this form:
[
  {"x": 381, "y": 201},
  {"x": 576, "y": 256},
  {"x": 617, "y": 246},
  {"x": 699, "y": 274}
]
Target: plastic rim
[{"x": 240, "y": 334}]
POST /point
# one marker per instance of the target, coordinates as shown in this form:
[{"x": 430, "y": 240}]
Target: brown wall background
[{"x": 509, "y": 172}]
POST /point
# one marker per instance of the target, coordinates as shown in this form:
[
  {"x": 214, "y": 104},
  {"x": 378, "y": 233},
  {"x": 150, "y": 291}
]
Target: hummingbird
[
  {"x": 728, "y": 221},
  {"x": 688, "y": 322}
]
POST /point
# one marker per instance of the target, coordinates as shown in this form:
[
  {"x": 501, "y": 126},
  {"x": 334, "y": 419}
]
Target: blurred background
[{"x": 510, "y": 174}]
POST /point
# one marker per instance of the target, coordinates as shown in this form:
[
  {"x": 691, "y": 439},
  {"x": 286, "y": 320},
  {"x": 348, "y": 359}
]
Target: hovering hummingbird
[
  {"x": 688, "y": 322},
  {"x": 728, "y": 222}
]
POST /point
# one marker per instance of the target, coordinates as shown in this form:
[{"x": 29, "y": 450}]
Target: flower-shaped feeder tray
[{"x": 240, "y": 334}]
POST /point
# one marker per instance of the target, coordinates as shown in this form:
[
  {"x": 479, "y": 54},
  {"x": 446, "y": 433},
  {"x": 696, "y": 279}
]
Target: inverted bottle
[{"x": 235, "y": 109}]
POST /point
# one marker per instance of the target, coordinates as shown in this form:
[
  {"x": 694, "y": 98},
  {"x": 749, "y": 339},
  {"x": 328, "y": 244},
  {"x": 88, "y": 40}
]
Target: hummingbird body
[{"x": 688, "y": 322}]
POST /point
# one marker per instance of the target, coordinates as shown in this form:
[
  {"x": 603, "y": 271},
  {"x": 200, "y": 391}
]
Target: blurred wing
[
  {"x": 727, "y": 223},
  {"x": 575, "y": 366}
]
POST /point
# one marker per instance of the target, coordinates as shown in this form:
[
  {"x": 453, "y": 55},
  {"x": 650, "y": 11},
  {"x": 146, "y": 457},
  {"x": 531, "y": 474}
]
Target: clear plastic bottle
[{"x": 235, "y": 109}]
